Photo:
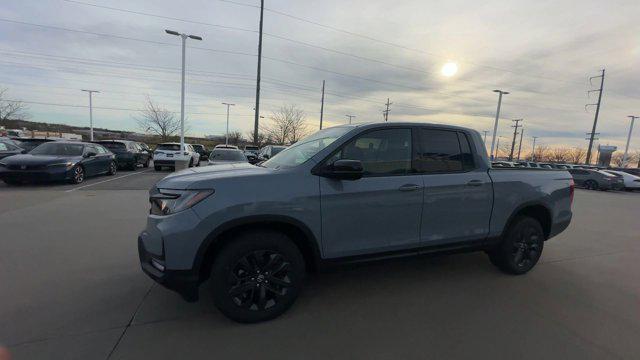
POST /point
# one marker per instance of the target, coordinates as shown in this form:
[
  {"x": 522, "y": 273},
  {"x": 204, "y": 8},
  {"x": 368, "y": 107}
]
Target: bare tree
[
  {"x": 157, "y": 120},
  {"x": 577, "y": 155},
  {"x": 235, "y": 138},
  {"x": 287, "y": 125},
  {"x": 616, "y": 158},
  {"x": 11, "y": 110},
  {"x": 262, "y": 138},
  {"x": 559, "y": 154},
  {"x": 542, "y": 153}
]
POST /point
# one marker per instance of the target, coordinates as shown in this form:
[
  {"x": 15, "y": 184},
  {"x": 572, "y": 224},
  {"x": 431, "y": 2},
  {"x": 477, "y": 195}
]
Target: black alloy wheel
[
  {"x": 259, "y": 280},
  {"x": 113, "y": 168},
  {"x": 520, "y": 248},
  {"x": 77, "y": 174},
  {"x": 257, "y": 276},
  {"x": 591, "y": 185}
]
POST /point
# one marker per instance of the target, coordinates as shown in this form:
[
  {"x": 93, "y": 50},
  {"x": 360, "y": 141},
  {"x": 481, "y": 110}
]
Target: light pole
[
  {"x": 226, "y": 137},
  {"x": 626, "y": 148},
  {"x": 91, "y": 111},
  {"x": 485, "y": 135},
  {"x": 350, "y": 117},
  {"x": 495, "y": 124},
  {"x": 533, "y": 150},
  {"x": 184, "y": 42}
]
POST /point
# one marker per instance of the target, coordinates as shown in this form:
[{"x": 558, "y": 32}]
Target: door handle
[
  {"x": 475, "y": 183},
  {"x": 409, "y": 187}
]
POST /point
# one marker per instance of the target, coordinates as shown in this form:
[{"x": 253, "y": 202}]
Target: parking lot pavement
[{"x": 72, "y": 289}]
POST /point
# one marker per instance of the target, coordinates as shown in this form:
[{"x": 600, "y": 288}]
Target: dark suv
[
  {"x": 202, "y": 150},
  {"x": 128, "y": 153}
]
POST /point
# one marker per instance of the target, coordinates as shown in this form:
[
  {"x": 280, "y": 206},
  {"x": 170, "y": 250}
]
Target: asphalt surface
[{"x": 71, "y": 288}]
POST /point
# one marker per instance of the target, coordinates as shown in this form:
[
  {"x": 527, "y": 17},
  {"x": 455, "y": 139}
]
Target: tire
[
  {"x": 191, "y": 162},
  {"x": 198, "y": 163},
  {"x": 257, "y": 276},
  {"x": 113, "y": 168},
  {"x": 521, "y": 247},
  {"x": 146, "y": 163},
  {"x": 77, "y": 175},
  {"x": 157, "y": 167},
  {"x": 591, "y": 185}
]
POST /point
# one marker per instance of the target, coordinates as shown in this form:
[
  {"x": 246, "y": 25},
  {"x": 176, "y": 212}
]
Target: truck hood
[{"x": 204, "y": 177}]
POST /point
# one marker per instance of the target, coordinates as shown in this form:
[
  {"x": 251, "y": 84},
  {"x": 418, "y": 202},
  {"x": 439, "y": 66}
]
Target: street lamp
[
  {"x": 495, "y": 124},
  {"x": 184, "y": 41},
  {"x": 226, "y": 137},
  {"x": 626, "y": 148},
  {"x": 91, "y": 111}
]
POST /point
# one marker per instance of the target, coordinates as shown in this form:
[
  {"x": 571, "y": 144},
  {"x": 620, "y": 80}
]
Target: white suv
[{"x": 166, "y": 155}]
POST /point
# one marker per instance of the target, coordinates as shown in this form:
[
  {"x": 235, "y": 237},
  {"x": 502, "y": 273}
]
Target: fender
[
  {"x": 526, "y": 205},
  {"x": 310, "y": 239}
]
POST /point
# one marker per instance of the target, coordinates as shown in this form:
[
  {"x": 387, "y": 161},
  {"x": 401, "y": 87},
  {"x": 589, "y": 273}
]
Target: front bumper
[
  {"x": 184, "y": 282},
  {"x": 40, "y": 175}
]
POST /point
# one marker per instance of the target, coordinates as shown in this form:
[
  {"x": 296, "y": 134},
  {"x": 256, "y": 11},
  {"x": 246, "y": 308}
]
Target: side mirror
[
  {"x": 90, "y": 154},
  {"x": 344, "y": 170},
  {"x": 23, "y": 151},
  {"x": 266, "y": 156}
]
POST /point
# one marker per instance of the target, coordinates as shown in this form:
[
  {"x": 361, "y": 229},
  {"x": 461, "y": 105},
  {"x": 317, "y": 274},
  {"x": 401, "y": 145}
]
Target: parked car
[
  {"x": 502, "y": 164},
  {"x": 227, "y": 156},
  {"x": 29, "y": 144},
  {"x": 128, "y": 153},
  {"x": 58, "y": 161},
  {"x": 166, "y": 155},
  {"x": 9, "y": 148},
  {"x": 632, "y": 171},
  {"x": 269, "y": 151},
  {"x": 202, "y": 150},
  {"x": 631, "y": 182},
  {"x": 595, "y": 179},
  {"x": 253, "y": 149},
  {"x": 146, "y": 148},
  {"x": 347, "y": 193}
]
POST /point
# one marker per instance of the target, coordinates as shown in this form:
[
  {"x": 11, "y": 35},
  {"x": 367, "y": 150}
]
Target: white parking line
[{"x": 104, "y": 181}]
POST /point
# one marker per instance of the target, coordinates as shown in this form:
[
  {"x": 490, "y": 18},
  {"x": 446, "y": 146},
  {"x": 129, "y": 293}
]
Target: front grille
[{"x": 26, "y": 167}]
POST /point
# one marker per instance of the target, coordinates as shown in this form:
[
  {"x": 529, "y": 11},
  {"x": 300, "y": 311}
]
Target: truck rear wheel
[
  {"x": 521, "y": 247},
  {"x": 257, "y": 276}
]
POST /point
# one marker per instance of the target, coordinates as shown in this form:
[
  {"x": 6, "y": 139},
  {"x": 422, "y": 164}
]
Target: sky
[{"x": 542, "y": 52}]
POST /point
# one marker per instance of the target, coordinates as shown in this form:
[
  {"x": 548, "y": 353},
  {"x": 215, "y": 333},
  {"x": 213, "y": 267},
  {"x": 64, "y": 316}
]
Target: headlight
[
  {"x": 168, "y": 202},
  {"x": 68, "y": 165}
]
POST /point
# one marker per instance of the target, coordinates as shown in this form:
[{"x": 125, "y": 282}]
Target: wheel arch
[
  {"x": 535, "y": 210},
  {"x": 298, "y": 232}
]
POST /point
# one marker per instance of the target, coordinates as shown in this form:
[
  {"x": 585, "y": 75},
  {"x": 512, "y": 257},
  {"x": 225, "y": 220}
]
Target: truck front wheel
[
  {"x": 257, "y": 276},
  {"x": 521, "y": 247}
]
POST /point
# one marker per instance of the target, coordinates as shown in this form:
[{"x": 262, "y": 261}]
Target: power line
[{"x": 317, "y": 46}]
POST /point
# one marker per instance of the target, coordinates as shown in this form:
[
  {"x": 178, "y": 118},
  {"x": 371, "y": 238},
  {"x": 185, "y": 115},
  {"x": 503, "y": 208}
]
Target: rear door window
[{"x": 439, "y": 151}]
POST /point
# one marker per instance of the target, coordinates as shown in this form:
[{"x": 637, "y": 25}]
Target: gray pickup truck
[{"x": 343, "y": 194}]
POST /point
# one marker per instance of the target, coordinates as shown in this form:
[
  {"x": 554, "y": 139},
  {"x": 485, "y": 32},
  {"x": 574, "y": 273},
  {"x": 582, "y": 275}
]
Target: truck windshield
[{"x": 306, "y": 148}]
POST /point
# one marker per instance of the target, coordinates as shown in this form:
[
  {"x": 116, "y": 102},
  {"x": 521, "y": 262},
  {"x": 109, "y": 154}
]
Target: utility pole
[
  {"x": 226, "y": 137},
  {"x": 257, "y": 108},
  {"x": 184, "y": 44},
  {"x": 350, "y": 117},
  {"x": 533, "y": 150},
  {"x": 626, "y": 148},
  {"x": 485, "y": 135},
  {"x": 595, "y": 119},
  {"x": 495, "y": 124},
  {"x": 595, "y": 138},
  {"x": 91, "y": 111},
  {"x": 515, "y": 133},
  {"x": 520, "y": 146},
  {"x": 322, "y": 105},
  {"x": 497, "y": 149},
  {"x": 386, "y": 111}
]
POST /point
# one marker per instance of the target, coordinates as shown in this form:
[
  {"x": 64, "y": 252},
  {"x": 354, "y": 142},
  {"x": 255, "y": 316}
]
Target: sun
[{"x": 449, "y": 69}]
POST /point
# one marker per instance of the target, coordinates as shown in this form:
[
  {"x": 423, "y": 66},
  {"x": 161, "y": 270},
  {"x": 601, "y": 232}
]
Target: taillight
[{"x": 572, "y": 187}]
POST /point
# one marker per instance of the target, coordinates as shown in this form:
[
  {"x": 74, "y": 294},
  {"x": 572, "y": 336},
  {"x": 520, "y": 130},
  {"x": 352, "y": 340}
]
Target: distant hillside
[{"x": 41, "y": 126}]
